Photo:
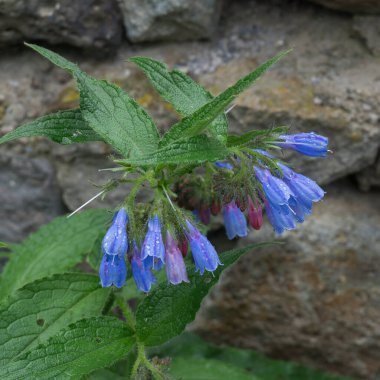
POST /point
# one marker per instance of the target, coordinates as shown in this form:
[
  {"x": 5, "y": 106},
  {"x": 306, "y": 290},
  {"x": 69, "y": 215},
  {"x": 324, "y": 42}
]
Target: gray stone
[
  {"x": 315, "y": 299},
  {"x": 81, "y": 174},
  {"x": 352, "y": 6},
  {"x": 368, "y": 27},
  {"x": 155, "y": 20},
  {"x": 88, "y": 23},
  {"x": 29, "y": 195},
  {"x": 313, "y": 89},
  {"x": 369, "y": 177}
]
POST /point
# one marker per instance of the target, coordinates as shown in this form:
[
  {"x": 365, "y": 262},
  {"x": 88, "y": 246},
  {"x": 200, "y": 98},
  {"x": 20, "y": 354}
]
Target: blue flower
[
  {"x": 276, "y": 191},
  {"x": 224, "y": 165},
  {"x": 300, "y": 209},
  {"x": 153, "y": 244},
  {"x": 204, "y": 253},
  {"x": 303, "y": 188},
  {"x": 175, "y": 265},
  {"x": 281, "y": 217},
  {"x": 153, "y": 263},
  {"x": 112, "y": 271},
  {"x": 309, "y": 144},
  {"x": 234, "y": 221},
  {"x": 115, "y": 241},
  {"x": 142, "y": 275}
]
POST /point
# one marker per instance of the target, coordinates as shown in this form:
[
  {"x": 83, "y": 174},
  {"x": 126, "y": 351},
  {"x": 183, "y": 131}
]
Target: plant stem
[
  {"x": 127, "y": 312},
  {"x": 142, "y": 359}
]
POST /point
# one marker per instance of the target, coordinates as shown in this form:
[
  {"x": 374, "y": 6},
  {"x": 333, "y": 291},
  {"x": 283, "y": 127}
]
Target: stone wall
[{"x": 314, "y": 299}]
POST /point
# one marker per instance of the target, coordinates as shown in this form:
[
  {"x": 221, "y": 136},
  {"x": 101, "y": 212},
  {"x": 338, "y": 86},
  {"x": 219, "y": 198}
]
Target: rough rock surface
[
  {"x": 29, "y": 195},
  {"x": 85, "y": 23},
  {"x": 353, "y": 6},
  {"x": 369, "y": 177},
  {"x": 329, "y": 84},
  {"x": 323, "y": 283},
  {"x": 156, "y": 20},
  {"x": 368, "y": 27},
  {"x": 315, "y": 299}
]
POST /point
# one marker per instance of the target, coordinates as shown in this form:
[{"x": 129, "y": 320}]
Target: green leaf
[
  {"x": 121, "y": 370},
  {"x": 166, "y": 311},
  {"x": 196, "y": 149},
  {"x": 269, "y": 134},
  {"x": 110, "y": 111},
  {"x": 3, "y": 245},
  {"x": 63, "y": 127},
  {"x": 200, "y": 120},
  {"x": 181, "y": 91},
  {"x": 207, "y": 369},
  {"x": 105, "y": 374},
  {"x": 54, "y": 248},
  {"x": 40, "y": 309},
  {"x": 77, "y": 350},
  {"x": 121, "y": 121},
  {"x": 189, "y": 346}
]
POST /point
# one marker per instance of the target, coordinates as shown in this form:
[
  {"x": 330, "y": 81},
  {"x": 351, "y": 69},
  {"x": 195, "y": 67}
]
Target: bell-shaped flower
[
  {"x": 153, "y": 244},
  {"x": 112, "y": 271},
  {"x": 303, "y": 188},
  {"x": 281, "y": 217},
  {"x": 300, "y": 209},
  {"x": 255, "y": 214},
  {"x": 309, "y": 144},
  {"x": 141, "y": 272},
  {"x": 175, "y": 265},
  {"x": 276, "y": 191},
  {"x": 204, "y": 253},
  {"x": 234, "y": 221},
  {"x": 115, "y": 241},
  {"x": 153, "y": 263}
]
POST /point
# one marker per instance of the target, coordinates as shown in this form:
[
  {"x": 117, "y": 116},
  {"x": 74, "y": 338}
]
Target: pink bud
[
  {"x": 255, "y": 214},
  {"x": 204, "y": 215},
  {"x": 184, "y": 246},
  {"x": 215, "y": 207}
]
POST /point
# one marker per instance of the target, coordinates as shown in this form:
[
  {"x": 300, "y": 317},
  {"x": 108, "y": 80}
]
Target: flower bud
[
  {"x": 204, "y": 254},
  {"x": 309, "y": 144},
  {"x": 115, "y": 241},
  {"x": 175, "y": 266},
  {"x": 255, "y": 214},
  {"x": 142, "y": 275},
  {"x": 153, "y": 244},
  {"x": 234, "y": 221}
]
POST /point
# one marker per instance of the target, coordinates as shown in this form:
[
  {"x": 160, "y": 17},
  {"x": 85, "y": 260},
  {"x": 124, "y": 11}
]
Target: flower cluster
[
  {"x": 286, "y": 196},
  {"x": 152, "y": 254}
]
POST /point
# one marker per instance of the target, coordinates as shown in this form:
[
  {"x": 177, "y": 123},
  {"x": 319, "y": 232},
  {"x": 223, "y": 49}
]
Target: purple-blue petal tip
[
  {"x": 309, "y": 144},
  {"x": 234, "y": 221},
  {"x": 141, "y": 272},
  {"x": 204, "y": 254},
  {"x": 112, "y": 271},
  {"x": 153, "y": 244},
  {"x": 115, "y": 241}
]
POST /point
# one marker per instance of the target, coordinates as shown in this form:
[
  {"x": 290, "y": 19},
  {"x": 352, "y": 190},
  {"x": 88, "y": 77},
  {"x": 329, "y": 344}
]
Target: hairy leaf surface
[
  {"x": 40, "y": 309},
  {"x": 63, "y": 127},
  {"x": 54, "y": 248},
  {"x": 77, "y": 350}
]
